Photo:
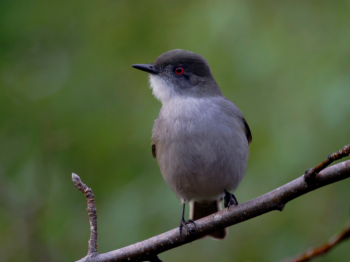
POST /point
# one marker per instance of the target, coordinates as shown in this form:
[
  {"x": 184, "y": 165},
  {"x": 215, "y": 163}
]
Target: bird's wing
[
  {"x": 154, "y": 149},
  {"x": 247, "y": 131},
  {"x": 234, "y": 111}
]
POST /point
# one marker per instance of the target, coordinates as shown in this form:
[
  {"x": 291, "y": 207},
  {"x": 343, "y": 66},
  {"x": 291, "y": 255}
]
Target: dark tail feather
[{"x": 198, "y": 211}]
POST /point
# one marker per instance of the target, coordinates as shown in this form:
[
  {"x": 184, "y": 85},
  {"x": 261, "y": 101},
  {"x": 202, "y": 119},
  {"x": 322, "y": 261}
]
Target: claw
[
  {"x": 183, "y": 224},
  {"x": 229, "y": 199},
  {"x": 191, "y": 221}
]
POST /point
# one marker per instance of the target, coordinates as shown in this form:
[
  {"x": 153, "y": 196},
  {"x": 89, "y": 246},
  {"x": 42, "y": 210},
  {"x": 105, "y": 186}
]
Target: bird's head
[{"x": 179, "y": 73}]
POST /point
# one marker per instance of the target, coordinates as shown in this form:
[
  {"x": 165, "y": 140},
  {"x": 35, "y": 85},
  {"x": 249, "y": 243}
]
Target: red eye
[{"x": 179, "y": 70}]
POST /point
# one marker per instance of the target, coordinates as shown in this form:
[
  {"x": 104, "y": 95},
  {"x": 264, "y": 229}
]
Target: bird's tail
[{"x": 199, "y": 210}]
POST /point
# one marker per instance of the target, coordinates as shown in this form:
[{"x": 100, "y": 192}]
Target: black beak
[{"x": 147, "y": 68}]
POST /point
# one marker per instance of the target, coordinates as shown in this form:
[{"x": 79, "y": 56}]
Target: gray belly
[{"x": 201, "y": 165}]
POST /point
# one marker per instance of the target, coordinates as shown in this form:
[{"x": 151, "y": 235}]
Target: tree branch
[
  {"x": 321, "y": 250},
  {"x": 91, "y": 212},
  {"x": 147, "y": 250},
  {"x": 311, "y": 173}
]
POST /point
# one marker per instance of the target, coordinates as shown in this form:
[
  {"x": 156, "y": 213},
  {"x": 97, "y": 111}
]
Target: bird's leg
[
  {"x": 229, "y": 199},
  {"x": 184, "y": 223}
]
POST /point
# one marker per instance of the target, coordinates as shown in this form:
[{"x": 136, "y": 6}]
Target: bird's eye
[{"x": 179, "y": 70}]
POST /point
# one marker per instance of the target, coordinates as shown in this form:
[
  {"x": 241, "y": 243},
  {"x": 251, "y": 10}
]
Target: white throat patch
[{"x": 161, "y": 89}]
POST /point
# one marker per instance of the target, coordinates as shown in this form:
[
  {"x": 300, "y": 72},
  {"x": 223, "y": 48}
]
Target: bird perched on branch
[{"x": 200, "y": 138}]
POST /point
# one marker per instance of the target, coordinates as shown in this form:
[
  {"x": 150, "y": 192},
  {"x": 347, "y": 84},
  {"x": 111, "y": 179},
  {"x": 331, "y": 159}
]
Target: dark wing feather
[
  {"x": 154, "y": 150},
  {"x": 247, "y": 131}
]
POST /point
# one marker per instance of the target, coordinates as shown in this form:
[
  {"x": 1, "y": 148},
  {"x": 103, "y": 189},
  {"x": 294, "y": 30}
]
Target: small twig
[
  {"x": 321, "y": 250},
  {"x": 311, "y": 173},
  {"x": 91, "y": 208}
]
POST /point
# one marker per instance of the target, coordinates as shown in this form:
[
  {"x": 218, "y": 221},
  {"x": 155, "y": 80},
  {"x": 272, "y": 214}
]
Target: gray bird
[{"x": 200, "y": 138}]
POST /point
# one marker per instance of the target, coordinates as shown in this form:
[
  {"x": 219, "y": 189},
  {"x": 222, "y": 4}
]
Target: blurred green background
[{"x": 70, "y": 102}]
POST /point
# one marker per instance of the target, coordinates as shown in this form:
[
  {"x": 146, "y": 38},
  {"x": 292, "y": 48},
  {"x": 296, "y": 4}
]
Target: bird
[{"x": 200, "y": 138}]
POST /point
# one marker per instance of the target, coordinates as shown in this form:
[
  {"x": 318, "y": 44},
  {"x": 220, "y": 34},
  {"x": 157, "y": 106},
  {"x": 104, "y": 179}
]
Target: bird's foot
[
  {"x": 183, "y": 224},
  {"x": 229, "y": 199}
]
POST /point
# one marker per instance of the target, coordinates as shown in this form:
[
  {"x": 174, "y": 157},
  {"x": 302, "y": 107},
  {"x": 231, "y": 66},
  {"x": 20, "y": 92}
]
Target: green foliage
[{"x": 70, "y": 102}]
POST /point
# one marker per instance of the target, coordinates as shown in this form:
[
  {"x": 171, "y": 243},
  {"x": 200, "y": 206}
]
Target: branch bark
[
  {"x": 91, "y": 208},
  {"x": 311, "y": 173},
  {"x": 148, "y": 250}
]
